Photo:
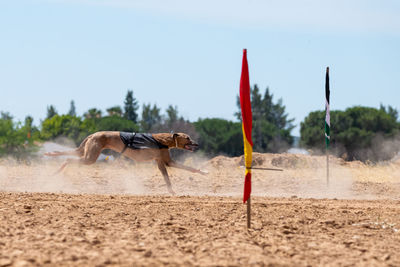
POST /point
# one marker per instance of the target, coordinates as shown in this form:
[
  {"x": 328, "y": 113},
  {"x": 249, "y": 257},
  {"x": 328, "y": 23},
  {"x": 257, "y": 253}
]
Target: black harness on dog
[{"x": 139, "y": 141}]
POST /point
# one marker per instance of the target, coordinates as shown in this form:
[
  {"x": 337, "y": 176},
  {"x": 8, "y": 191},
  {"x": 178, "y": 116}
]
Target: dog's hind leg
[
  {"x": 75, "y": 161},
  {"x": 161, "y": 167},
  {"x": 62, "y": 167},
  {"x": 81, "y": 149},
  {"x": 88, "y": 159}
]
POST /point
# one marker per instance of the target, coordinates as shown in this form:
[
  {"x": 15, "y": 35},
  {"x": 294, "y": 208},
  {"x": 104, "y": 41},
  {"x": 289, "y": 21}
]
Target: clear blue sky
[{"x": 188, "y": 53}]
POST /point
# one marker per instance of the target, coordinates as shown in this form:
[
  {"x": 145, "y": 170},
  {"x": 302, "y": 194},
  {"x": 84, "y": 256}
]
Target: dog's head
[{"x": 183, "y": 141}]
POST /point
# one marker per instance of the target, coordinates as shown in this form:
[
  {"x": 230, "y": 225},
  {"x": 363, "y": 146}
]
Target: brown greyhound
[{"x": 139, "y": 147}]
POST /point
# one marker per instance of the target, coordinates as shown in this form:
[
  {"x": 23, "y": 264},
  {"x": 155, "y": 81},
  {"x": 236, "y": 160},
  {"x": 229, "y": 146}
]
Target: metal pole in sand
[
  {"x": 266, "y": 169},
  {"x": 327, "y": 167},
  {"x": 248, "y": 213}
]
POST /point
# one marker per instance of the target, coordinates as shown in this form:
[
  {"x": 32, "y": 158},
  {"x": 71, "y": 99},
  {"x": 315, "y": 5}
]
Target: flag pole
[
  {"x": 247, "y": 121},
  {"x": 327, "y": 123},
  {"x": 327, "y": 167},
  {"x": 248, "y": 213}
]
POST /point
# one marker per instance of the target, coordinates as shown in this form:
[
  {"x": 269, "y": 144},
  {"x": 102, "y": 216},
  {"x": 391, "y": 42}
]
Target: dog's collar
[{"x": 176, "y": 142}]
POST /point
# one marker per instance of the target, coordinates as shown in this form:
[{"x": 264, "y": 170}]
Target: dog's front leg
[
  {"x": 184, "y": 167},
  {"x": 161, "y": 167}
]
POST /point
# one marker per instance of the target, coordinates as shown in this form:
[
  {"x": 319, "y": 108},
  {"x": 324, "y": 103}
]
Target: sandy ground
[{"x": 121, "y": 214}]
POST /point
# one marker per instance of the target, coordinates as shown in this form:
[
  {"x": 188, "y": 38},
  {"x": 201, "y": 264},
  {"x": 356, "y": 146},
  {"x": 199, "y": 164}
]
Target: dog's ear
[{"x": 174, "y": 135}]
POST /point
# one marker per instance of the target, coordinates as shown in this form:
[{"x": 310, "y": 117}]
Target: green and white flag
[{"x": 327, "y": 110}]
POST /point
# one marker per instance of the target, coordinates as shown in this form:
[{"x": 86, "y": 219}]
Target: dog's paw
[
  {"x": 172, "y": 192},
  {"x": 202, "y": 172}
]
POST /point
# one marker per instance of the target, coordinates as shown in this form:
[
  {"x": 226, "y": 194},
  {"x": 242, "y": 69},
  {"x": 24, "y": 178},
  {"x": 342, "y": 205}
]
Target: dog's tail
[{"x": 76, "y": 152}]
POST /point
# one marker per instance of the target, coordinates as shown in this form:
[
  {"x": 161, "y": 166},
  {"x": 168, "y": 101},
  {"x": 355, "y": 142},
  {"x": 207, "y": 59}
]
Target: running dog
[{"x": 137, "y": 146}]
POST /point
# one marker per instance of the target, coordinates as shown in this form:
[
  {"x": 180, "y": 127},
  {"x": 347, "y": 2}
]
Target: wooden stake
[{"x": 248, "y": 213}]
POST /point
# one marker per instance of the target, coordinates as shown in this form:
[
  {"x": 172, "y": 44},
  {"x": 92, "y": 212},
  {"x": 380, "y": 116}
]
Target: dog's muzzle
[{"x": 192, "y": 147}]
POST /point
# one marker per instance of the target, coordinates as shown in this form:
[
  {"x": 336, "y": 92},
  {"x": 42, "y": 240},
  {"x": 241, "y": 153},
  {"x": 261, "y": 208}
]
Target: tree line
[
  {"x": 215, "y": 135},
  {"x": 356, "y": 132}
]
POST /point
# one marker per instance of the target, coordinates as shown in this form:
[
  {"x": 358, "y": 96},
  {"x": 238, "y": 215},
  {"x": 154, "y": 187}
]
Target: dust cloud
[
  {"x": 40, "y": 177},
  {"x": 303, "y": 176}
]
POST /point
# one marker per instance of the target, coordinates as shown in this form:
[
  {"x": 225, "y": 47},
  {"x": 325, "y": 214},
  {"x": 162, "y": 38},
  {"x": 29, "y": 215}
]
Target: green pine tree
[
  {"x": 172, "y": 115},
  {"x": 131, "y": 107},
  {"x": 51, "y": 112},
  {"x": 271, "y": 125},
  {"x": 4, "y": 115},
  {"x": 150, "y": 117},
  {"x": 72, "y": 109}
]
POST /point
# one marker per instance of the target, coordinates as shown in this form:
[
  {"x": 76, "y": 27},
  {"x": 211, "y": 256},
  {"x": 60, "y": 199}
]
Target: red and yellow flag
[{"x": 247, "y": 122}]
